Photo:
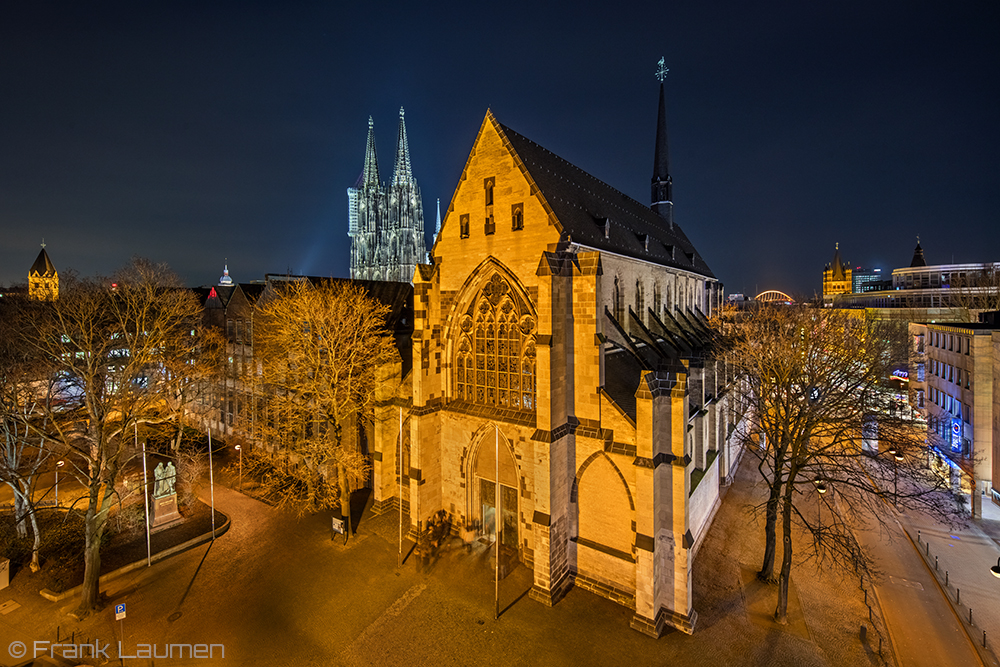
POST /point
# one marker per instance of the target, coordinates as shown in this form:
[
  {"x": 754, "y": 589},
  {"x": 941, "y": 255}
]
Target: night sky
[{"x": 196, "y": 133}]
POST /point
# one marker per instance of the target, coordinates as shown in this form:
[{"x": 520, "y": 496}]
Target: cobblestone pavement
[{"x": 275, "y": 590}]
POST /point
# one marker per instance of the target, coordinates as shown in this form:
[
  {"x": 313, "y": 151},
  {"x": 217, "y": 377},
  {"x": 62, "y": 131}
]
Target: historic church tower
[
  {"x": 386, "y": 224},
  {"x": 43, "y": 279},
  {"x": 836, "y": 278}
]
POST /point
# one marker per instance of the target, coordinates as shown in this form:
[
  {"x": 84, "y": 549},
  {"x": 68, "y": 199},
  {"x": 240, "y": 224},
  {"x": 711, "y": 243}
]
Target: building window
[
  {"x": 657, "y": 299},
  {"x": 517, "y": 217},
  {"x": 617, "y": 305},
  {"x": 495, "y": 362},
  {"x": 463, "y": 224},
  {"x": 920, "y": 398},
  {"x": 488, "y": 185},
  {"x": 640, "y": 300},
  {"x": 920, "y": 343},
  {"x": 920, "y": 372}
]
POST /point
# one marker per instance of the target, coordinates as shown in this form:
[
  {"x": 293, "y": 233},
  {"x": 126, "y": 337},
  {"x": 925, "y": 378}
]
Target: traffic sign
[{"x": 119, "y": 611}]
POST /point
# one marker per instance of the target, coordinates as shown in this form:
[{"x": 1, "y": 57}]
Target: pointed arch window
[
  {"x": 617, "y": 305},
  {"x": 495, "y": 358},
  {"x": 640, "y": 300},
  {"x": 517, "y": 216}
]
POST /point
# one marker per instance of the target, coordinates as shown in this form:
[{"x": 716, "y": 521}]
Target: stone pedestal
[{"x": 165, "y": 512}]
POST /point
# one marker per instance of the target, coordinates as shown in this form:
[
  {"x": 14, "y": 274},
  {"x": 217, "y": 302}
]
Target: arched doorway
[{"x": 483, "y": 472}]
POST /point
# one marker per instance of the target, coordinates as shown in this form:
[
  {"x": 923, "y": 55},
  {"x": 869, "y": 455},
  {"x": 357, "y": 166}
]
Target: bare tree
[
  {"x": 319, "y": 350},
  {"x": 109, "y": 342},
  {"x": 817, "y": 385},
  {"x": 24, "y": 384}
]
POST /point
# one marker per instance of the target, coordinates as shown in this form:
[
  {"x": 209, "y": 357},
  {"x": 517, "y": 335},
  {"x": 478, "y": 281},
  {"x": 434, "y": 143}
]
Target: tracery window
[
  {"x": 617, "y": 305},
  {"x": 495, "y": 358},
  {"x": 640, "y": 299}
]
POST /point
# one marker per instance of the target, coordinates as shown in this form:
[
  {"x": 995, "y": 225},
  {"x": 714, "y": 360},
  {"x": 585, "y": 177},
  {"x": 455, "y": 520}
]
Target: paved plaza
[{"x": 275, "y": 590}]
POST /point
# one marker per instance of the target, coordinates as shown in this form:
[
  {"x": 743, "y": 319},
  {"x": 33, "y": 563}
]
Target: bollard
[
  {"x": 970, "y": 616},
  {"x": 864, "y": 633},
  {"x": 984, "y": 638},
  {"x": 958, "y": 596},
  {"x": 927, "y": 544},
  {"x": 946, "y": 578},
  {"x": 918, "y": 537},
  {"x": 935, "y": 564}
]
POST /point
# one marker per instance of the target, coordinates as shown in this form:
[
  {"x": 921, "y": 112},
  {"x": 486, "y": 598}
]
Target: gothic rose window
[{"x": 495, "y": 356}]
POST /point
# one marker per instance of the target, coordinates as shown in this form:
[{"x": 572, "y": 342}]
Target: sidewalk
[{"x": 961, "y": 560}]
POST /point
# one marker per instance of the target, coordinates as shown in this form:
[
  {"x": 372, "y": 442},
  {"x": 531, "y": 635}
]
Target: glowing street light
[
  {"x": 897, "y": 457},
  {"x": 59, "y": 464},
  {"x": 240, "y": 450}
]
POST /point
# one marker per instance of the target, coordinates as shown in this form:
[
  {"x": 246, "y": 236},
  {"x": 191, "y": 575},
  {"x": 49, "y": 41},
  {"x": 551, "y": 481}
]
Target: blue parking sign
[{"x": 119, "y": 611}]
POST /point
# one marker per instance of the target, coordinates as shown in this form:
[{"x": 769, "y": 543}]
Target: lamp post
[
  {"x": 821, "y": 488},
  {"x": 59, "y": 464},
  {"x": 240, "y": 450},
  {"x": 897, "y": 456}
]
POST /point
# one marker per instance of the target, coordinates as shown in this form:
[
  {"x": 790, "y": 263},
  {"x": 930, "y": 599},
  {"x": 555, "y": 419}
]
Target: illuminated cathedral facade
[{"x": 386, "y": 224}]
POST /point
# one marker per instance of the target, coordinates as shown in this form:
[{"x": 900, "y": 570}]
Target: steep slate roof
[
  {"x": 582, "y": 204},
  {"x": 43, "y": 265}
]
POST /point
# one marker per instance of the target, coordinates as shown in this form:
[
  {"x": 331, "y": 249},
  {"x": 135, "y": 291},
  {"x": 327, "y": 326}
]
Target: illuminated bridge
[{"x": 774, "y": 296}]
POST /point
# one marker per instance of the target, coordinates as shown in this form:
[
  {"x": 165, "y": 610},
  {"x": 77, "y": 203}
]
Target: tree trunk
[
  {"x": 95, "y": 523},
  {"x": 20, "y": 512},
  {"x": 345, "y": 496},
  {"x": 781, "y": 613},
  {"x": 766, "y": 572},
  {"x": 35, "y": 563},
  {"x": 90, "y": 594}
]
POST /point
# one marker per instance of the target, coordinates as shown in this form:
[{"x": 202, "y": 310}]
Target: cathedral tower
[
  {"x": 836, "y": 278},
  {"x": 386, "y": 224},
  {"x": 43, "y": 279}
]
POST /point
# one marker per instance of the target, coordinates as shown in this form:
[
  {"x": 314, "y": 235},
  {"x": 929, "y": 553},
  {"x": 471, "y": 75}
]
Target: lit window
[
  {"x": 463, "y": 224},
  {"x": 495, "y": 360}
]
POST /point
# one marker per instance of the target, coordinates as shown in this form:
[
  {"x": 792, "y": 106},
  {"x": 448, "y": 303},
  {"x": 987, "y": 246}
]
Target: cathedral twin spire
[{"x": 386, "y": 225}]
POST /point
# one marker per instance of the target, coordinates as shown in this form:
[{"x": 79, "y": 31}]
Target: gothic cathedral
[{"x": 386, "y": 224}]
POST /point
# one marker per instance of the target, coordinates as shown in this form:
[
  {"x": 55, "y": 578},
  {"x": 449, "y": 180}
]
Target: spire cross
[
  {"x": 661, "y": 70},
  {"x": 43, "y": 241}
]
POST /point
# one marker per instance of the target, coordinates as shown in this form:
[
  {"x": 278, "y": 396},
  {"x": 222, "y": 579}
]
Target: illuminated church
[
  {"x": 561, "y": 350},
  {"x": 43, "y": 279},
  {"x": 386, "y": 224}
]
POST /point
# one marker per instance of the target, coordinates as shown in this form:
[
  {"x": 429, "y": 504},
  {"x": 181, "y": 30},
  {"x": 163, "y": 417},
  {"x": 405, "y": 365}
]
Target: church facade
[
  {"x": 561, "y": 352},
  {"x": 386, "y": 224}
]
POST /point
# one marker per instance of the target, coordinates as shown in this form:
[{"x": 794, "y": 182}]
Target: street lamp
[
  {"x": 59, "y": 464},
  {"x": 897, "y": 457},
  {"x": 821, "y": 488},
  {"x": 240, "y": 450}
]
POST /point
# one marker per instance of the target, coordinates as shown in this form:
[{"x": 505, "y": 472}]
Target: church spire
[
  {"x": 402, "y": 171},
  {"x": 662, "y": 185},
  {"x": 369, "y": 177},
  {"x": 918, "y": 256},
  {"x": 437, "y": 227}
]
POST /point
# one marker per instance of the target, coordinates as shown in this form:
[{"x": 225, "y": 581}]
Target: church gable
[{"x": 496, "y": 211}]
